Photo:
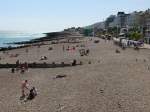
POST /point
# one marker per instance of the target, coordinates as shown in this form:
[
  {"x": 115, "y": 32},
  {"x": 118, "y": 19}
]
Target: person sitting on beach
[
  {"x": 74, "y": 62},
  {"x": 24, "y": 87},
  {"x": 87, "y": 51},
  {"x": 117, "y": 51},
  {"x": 73, "y": 48},
  {"x": 14, "y": 55},
  {"x": 50, "y": 48},
  {"x": 32, "y": 94},
  {"x": 43, "y": 58}
]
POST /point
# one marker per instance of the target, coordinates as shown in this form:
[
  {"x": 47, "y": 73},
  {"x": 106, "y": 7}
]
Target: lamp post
[
  {"x": 117, "y": 31},
  {"x": 93, "y": 31}
]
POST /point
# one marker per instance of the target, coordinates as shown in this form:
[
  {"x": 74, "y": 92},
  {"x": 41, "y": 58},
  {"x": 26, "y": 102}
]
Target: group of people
[
  {"x": 14, "y": 55},
  {"x": 20, "y": 66},
  {"x": 27, "y": 92},
  {"x": 69, "y": 48},
  {"x": 84, "y": 52}
]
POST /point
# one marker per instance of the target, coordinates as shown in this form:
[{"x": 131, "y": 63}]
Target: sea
[{"x": 14, "y": 36}]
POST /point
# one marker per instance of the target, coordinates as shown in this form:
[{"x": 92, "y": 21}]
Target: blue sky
[{"x": 55, "y": 15}]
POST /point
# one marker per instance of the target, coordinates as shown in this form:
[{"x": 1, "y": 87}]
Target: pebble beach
[{"x": 111, "y": 82}]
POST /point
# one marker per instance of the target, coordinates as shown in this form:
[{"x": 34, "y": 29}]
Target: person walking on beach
[
  {"x": 27, "y": 50},
  {"x": 26, "y": 66},
  {"x": 17, "y": 63},
  {"x": 63, "y": 48},
  {"x": 12, "y": 70},
  {"x": 24, "y": 88}
]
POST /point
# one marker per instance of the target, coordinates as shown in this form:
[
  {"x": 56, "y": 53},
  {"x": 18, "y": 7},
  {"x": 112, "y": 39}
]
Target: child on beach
[{"x": 24, "y": 88}]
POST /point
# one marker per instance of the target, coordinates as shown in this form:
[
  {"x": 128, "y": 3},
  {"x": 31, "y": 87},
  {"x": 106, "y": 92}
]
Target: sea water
[{"x": 10, "y": 37}]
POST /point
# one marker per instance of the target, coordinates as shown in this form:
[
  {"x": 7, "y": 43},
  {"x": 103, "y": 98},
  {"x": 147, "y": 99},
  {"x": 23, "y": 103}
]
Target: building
[
  {"x": 109, "y": 20},
  {"x": 133, "y": 20},
  {"x": 147, "y": 31},
  {"x": 118, "y": 21},
  {"x": 147, "y": 27},
  {"x": 121, "y": 20},
  {"x": 136, "y": 21}
]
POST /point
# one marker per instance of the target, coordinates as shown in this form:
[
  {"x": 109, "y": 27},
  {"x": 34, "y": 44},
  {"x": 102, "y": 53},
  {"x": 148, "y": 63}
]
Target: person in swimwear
[{"x": 24, "y": 87}]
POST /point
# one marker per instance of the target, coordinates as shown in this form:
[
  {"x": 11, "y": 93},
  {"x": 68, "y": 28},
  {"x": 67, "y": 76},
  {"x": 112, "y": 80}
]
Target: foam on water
[{"x": 9, "y": 37}]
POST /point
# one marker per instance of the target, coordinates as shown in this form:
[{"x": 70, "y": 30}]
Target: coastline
[{"x": 36, "y": 41}]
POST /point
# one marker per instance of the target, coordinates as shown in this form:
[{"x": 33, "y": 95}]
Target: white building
[
  {"x": 132, "y": 20},
  {"x": 147, "y": 32},
  {"x": 123, "y": 20}
]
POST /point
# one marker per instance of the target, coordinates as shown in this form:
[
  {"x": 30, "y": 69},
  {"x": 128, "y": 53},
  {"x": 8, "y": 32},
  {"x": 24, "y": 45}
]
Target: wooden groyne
[{"x": 39, "y": 65}]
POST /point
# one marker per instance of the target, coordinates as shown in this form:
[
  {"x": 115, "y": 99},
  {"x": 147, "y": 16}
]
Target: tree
[
  {"x": 135, "y": 36},
  {"x": 113, "y": 31},
  {"x": 87, "y": 32},
  {"x": 135, "y": 29}
]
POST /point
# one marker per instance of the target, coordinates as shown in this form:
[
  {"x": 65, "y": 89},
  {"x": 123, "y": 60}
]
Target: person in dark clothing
[
  {"x": 26, "y": 66},
  {"x": 87, "y": 51},
  {"x": 17, "y": 63},
  {"x": 32, "y": 94},
  {"x": 74, "y": 62},
  {"x": 12, "y": 70}
]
